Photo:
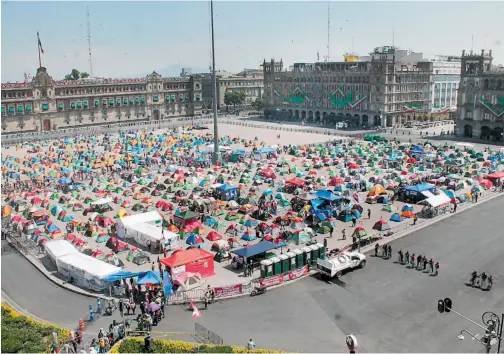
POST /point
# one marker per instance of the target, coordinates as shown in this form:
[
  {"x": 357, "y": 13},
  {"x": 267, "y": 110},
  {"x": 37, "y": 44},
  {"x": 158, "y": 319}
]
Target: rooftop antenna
[
  {"x": 89, "y": 44},
  {"x": 328, "y": 30}
]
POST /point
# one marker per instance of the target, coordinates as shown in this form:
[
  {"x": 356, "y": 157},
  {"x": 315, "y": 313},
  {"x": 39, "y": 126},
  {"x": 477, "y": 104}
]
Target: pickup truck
[{"x": 334, "y": 267}]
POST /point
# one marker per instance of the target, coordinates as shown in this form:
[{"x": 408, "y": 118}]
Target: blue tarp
[
  {"x": 256, "y": 249},
  {"x": 238, "y": 152},
  {"x": 326, "y": 195},
  {"x": 417, "y": 150},
  {"x": 266, "y": 150},
  {"x": 122, "y": 275},
  {"x": 421, "y": 187},
  {"x": 149, "y": 277}
]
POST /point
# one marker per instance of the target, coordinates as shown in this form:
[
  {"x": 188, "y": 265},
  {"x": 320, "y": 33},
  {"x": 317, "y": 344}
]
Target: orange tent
[{"x": 377, "y": 190}]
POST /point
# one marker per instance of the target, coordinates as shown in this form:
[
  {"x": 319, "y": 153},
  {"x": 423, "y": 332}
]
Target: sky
[{"x": 131, "y": 39}]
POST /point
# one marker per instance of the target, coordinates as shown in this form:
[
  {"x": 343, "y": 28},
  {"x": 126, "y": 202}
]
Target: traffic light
[
  {"x": 440, "y": 306},
  {"x": 447, "y": 304}
]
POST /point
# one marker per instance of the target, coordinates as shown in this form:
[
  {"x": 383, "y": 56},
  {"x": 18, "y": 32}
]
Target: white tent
[
  {"x": 124, "y": 223},
  {"x": 142, "y": 233},
  {"x": 59, "y": 248},
  {"x": 87, "y": 272},
  {"x": 102, "y": 201}
]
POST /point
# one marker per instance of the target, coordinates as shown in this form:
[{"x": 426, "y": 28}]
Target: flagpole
[{"x": 38, "y": 46}]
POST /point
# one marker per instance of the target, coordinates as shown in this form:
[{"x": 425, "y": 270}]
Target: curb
[{"x": 55, "y": 280}]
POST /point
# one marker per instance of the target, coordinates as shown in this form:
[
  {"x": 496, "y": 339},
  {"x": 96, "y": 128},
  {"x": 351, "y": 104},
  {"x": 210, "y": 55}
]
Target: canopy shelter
[
  {"x": 326, "y": 195},
  {"x": 413, "y": 194},
  {"x": 256, "y": 249},
  {"x": 149, "y": 278},
  {"x": 102, "y": 201},
  {"x": 194, "y": 260},
  {"x": 123, "y": 274},
  {"x": 437, "y": 200},
  {"x": 127, "y": 223}
]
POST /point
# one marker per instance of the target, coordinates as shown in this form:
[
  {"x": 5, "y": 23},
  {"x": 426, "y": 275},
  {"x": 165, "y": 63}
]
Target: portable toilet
[
  {"x": 314, "y": 252},
  {"x": 277, "y": 265},
  {"x": 306, "y": 255},
  {"x": 299, "y": 258},
  {"x": 322, "y": 250},
  {"x": 292, "y": 260},
  {"x": 266, "y": 268},
  {"x": 284, "y": 260}
]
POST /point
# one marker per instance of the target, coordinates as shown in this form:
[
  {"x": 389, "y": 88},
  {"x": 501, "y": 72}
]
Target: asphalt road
[{"x": 388, "y": 307}]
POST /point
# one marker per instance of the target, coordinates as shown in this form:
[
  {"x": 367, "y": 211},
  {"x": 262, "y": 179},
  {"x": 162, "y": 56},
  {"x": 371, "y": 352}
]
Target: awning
[
  {"x": 111, "y": 102},
  {"x": 137, "y": 99},
  {"x": 167, "y": 98},
  {"x": 3, "y": 109},
  {"x": 125, "y": 101},
  {"x": 20, "y": 108},
  {"x": 118, "y": 101},
  {"x": 436, "y": 200},
  {"x": 143, "y": 99},
  {"x": 86, "y": 104},
  {"x": 155, "y": 98}
]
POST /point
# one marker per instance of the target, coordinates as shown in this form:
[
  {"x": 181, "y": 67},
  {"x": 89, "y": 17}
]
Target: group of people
[{"x": 421, "y": 262}]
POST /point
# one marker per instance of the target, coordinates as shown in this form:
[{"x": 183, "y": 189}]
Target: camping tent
[
  {"x": 58, "y": 248},
  {"x": 194, "y": 260},
  {"x": 124, "y": 223}
]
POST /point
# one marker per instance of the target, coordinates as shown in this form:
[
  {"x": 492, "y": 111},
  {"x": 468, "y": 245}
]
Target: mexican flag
[{"x": 40, "y": 43}]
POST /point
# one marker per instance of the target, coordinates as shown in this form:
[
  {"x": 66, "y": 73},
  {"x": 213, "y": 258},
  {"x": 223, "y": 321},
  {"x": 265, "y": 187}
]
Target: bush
[
  {"x": 21, "y": 334},
  {"x": 136, "y": 345}
]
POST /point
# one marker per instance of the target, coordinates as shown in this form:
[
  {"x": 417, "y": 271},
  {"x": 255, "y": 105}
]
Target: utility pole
[
  {"x": 215, "y": 157},
  {"x": 89, "y": 44}
]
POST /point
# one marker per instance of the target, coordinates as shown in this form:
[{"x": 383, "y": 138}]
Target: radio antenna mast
[
  {"x": 328, "y": 30},
  {"x": 89, "y": 44}
]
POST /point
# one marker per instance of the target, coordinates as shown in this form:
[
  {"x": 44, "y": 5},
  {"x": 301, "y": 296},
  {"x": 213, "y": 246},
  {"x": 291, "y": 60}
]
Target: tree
[
  {"x": 234, "y": 98},
  {"x": 74, "y": 75},
  {"x": 258, "y": 104},
  {"x": 83, "y": 75}
]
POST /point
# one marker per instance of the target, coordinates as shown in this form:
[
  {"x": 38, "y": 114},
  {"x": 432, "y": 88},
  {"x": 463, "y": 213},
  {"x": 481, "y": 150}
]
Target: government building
[
  {"x": 480, "y": 109},
  {"x": 45, "y": 104},
  {"x": 387, "y": 88}
]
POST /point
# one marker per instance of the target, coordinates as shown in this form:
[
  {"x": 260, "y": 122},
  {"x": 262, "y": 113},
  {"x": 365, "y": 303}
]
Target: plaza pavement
[{"x": 388, "y": 307}]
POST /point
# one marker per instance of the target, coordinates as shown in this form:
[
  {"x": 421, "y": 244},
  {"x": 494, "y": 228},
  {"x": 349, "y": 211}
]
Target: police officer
[
  {"x": 419, "y": 260},
  {"x": 376, "y": 249},
  {"x": 431, "y": 265},
  {"x": 400, "y": 257},
  {"x": 407, "y": 257},
  {"x": 389, "y": 249},
  {"x": 413, "y": 260}
]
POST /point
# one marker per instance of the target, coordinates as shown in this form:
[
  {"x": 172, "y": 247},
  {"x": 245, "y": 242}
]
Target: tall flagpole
[
  {"x": 38, "y": 46},
  {"x": 215, "y": 158}
]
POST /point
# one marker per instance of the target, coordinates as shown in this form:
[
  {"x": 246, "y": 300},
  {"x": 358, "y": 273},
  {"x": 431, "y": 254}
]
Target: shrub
[
  {"x": 136, "y": 345},
  {"x": 22, "y": 334}
]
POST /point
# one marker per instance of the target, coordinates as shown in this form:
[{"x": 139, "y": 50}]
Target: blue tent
[
  {"x": 149, "y": 277},
  {"x": 266, "y": 150},
  {"x": 417, "y": 150},
  {"x": 238, "y": 152},
  {"x": 122, "y": 275},
  {"x": 395, "y": 217},
  {"x": 256, "y": 249},
  {"x": 227, "y": 187}
]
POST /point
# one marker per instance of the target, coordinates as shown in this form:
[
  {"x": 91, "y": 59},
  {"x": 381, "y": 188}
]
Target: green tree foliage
[
  {"x": 258, "y": 104},
  {"x": 76, "y": 75},
  {"x": 234, "y": 98}
]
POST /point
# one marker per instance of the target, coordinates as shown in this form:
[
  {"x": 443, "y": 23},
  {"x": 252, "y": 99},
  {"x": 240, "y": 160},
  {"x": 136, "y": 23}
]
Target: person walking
[
  {"x": 455, "y": 207},
  {"x": 331, "y": 230},
  {"x": 413, "y": 260},
  {"x": 419, "y": 261},
  {"x": 475, "y": 197},
  {"x": 369, "y": 213},
  {"x": 343, "y": 234},
  {"x": 407, "y": 257},
  {"x": 389, "y": 249},
  {"x": 354, "y": 221},
  {"x": 376, "y": 249},
  {"x": 415, "y": 218}
]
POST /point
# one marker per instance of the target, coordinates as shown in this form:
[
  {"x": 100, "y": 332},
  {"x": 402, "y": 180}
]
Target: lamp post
[{"x": 215, "y": 157}]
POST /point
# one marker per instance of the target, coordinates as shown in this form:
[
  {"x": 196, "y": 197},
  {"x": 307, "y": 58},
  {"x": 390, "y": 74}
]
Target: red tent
[
  {"x": 495, "y": 175},
  {"x": 214, "y": 236},
  {"x": 194, "y": 260},
  {"x": 296, "y": 181}
]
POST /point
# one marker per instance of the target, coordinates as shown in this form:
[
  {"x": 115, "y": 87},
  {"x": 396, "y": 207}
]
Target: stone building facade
[
  {"x": 249, "y": 81},
  {"x": 45, "y": 104},
  {"x": 480, "y": 108},
  {"x": 383, "y": 89}
]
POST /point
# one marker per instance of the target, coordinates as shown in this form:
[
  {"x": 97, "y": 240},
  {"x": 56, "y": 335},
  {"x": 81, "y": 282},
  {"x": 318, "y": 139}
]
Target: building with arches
[
  {"x": 480, "y": 107},
  {"x": 388, "y": 88},
  {"x": 45, "y": 104}
]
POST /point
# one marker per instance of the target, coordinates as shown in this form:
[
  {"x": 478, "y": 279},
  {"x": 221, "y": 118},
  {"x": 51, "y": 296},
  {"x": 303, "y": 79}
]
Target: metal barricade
[{"x": 205, "y": 334}]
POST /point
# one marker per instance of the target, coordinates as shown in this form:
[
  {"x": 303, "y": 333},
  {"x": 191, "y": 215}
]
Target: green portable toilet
[
  {"x": 322, "y": 250},
  {"x": 292, "y": 260},
  {"x": 306, "y": 255},
  {"x": 284, "y": 260},
  {"x": 277, "y": 265},
  {"x": 314, "y": 252},
  {"x": 299, "y": 258},
  {"x": 266, "y": 268}
]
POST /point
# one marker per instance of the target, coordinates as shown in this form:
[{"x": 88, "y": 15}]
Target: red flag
[
  {"x": 195, "y": 313},
  {"x": 40, "y": 43}
]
